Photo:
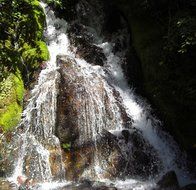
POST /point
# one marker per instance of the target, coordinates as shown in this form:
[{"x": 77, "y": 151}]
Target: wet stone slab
[{"x": 6, "y": 185}]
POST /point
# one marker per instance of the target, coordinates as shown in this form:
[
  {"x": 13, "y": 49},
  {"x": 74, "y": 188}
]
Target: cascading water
[
  {"x": 40, "y": 157},
  {"x": 129, "y": 112},
  {"x": 105, "y": 114}
]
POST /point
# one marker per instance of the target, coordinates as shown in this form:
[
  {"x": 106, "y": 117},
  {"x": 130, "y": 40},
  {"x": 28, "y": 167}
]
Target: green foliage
[
  {"x": 11, "y": 117},
  {"x": 66, "y": 146},
  {"x": 42, "y": 50},
  {"x": 11, "y": 98},
  {"x": 35, "y": 55},
  {"x": 19, "y": 88},
  {"x": 21, "y": 52},
  {"x": 21, "y": 30},
  {"x": 56, "y": 3},
  {"x": 181, "y": 34}
]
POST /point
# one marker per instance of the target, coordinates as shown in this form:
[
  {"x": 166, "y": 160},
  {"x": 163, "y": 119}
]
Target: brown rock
[
  {"x": 86, "y": 112},
  {"x": 83, "y": 41}
]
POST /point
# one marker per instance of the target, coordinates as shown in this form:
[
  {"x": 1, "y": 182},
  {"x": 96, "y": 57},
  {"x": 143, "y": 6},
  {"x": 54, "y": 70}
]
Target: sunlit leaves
[{"x": 22, "y": 21}]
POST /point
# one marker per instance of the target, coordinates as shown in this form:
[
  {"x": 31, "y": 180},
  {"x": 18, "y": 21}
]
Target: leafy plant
[
  {"x": 66, "y": 146},
  {"x": 21, "y": 30}
]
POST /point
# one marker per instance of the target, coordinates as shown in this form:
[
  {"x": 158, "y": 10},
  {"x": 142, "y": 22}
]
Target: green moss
[
  {"x": 11, "y": 97},
  {"x": 66, "y": 146},
  {"x": 19, "y": 87},
  {"x": 42, "y": 51},
  {"x": 39, "y": 18},
  {"x": 34, "y": 56},
  {"x": 26, "y": 30},
  {"x": 11, "y": 117}
]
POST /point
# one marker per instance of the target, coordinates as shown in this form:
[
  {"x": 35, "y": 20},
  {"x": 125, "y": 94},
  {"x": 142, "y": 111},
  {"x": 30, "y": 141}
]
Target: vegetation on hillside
[
  {"x": 21, "y": 37},
  {"x": 11, "y": 99},
  {"x": 22, "y": 50}
]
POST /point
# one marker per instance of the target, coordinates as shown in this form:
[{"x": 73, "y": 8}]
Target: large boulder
[
  {"x": 84, "y": 111},
  {"x": 86, "y": 117},
  {"x": 95, "y": 130},
  {"x": 86, "y": 102}
]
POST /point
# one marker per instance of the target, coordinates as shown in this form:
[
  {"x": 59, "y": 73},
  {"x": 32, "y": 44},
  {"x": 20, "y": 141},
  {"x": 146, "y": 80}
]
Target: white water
[
  {"x": 39, "y": 117},
  {"x": 139, "y": 111},
  {"x": 40, "y": 114},
  {"x": 150, "y": 127}
]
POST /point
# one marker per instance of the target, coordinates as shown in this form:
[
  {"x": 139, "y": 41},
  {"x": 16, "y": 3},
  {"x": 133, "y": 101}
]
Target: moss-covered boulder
[
  {"x": 11, "y": 101},
  {"x": 21, "y": 38}
]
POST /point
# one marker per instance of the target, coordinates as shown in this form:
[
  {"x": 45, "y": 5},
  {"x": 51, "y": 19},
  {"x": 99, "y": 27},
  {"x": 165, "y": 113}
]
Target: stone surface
[
  {"x": 166, "y": 86},
  {"x": 189, "y": 187},
  {"x": 168, "y": 182},
  {"x": 6, "y": 185},
  {"x": 7, "y": 154},
  {"x": 82, "y": 106},
  {"x": 82, "y": 41}
]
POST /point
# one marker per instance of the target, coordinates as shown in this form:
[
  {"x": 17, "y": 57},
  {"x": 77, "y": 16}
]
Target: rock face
[
  {"x": 81, "y": 39},
  {"x": 86, "y": 117},
  {"x": 84, "y": 101},
  {"x": 168, "y": 182},
  {"x": 84, "y": 111},
  {"x": 93, "y": 126},
  {"x": 189, "y": 187},
  {"x": 5, "y": 185},
  {"x": 167, "y": 74},
  {"x": 7, "y": 155}
]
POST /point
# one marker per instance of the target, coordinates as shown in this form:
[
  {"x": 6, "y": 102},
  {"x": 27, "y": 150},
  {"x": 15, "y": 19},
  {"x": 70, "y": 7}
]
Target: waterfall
[
  {"x": 39, "y": 148},
  {"x": 86, "y": 101}
]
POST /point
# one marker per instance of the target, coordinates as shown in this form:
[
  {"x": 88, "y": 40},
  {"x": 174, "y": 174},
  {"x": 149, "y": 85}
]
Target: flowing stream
[
  {"x": 106, "y": 104},
  {"x": 37, "y": 139}
]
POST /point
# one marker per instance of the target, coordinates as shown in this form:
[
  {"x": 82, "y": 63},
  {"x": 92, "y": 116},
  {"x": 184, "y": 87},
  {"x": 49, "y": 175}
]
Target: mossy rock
[
  {"x": 11, "y": 100},
  {"x": 23, "y": 49},
  {"x": 35, "y": 55}
]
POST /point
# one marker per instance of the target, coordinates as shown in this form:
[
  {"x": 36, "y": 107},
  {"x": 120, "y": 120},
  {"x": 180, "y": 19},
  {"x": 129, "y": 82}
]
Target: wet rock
[
  {"x": 81, "y": 160},
  {"x": 189, "y": 187},
  {"x": 142, "y": 159},
  {"x": 77, "y": 161},
  {"x": 6, "y": 185},
  {"x": 168, "y": 182},
  {"x": 87, "y": 109},
  {"x": 83, "y": 103},
  {"x": 83, "y": 41},
  {"x": 78, "y": 30},
  {"x": 7, "y": 154},
  {"x": 105, "y": 188},
  {"x": 2, "y": 173},
  {"x": 51, "y": 157},
  {"x": 126, "y": 119}
]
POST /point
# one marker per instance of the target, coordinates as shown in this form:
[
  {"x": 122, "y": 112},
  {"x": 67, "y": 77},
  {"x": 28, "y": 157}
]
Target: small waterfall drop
[
  {"x": 87, "y": 100},
  {"x": 39, "y": 151}
]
